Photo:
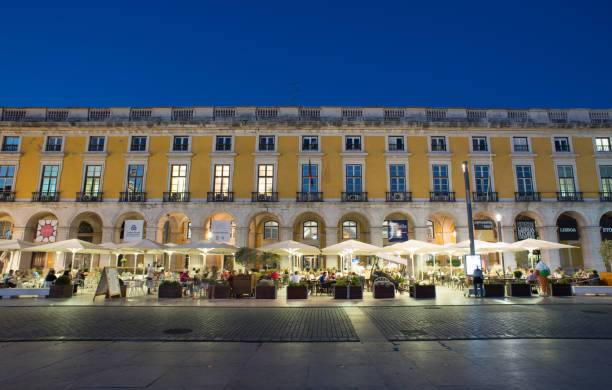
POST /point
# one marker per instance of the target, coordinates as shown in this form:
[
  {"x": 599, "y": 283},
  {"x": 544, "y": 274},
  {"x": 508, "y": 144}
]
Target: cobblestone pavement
[
  {"x": 175, "y": 324},
  {"x": 493, "y": 322}
]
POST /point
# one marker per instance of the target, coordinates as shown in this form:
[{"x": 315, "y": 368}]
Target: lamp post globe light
[
  {"x": 468, "y": 201},
  {"x": 498, "y": 217}
]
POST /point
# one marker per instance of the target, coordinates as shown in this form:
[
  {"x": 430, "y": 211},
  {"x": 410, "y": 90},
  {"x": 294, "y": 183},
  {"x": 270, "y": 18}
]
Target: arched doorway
[
  {"x": 309, "y": 228},
  {"x": 397, "y": 227},
  {"x": 605, "y": 226},
  {"x": 42, "y": 228},
  {"x": 174, "y": 228},
  {"x": 87, "y": 227},
  {"x": 119, "y": 233},
  {"x": 486, "y": 229},
  {"x": 569, "y": 233},
  {"x": 526, "y": 225},
  {"x": 353, "y": 226},
  {"x": 6, "y": 233},
  {"x": 441, "y": 231},
  {"x": 218, "y": 227}
]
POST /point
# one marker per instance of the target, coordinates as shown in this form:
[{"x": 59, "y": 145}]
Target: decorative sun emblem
[{"x": 46, "y": 231}]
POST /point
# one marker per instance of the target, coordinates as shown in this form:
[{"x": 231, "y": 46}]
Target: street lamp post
[
  {"x": 498, "y": 217},
  {"x": 468, "y": 201}
]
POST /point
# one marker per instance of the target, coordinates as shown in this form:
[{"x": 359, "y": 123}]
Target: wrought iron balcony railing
[
  {"x": 7, "y": 196},
  {"x": 176, "y": 196},
  {"x": 527, "y": 197},
  {"x": 220, "y": 196},
  {"x": 47, "y": 196},
  {"x": 605, "y": 196},
  {"x": 484, "y": 196},
  {"x": 94, "y": 196},
  {"x": 132, "y": 196},
  {"x": 399, "y": 196},
  {"x": 569, "y": 196},
  {"x": 264, "y": 197},
  {"x": 441, "y": 196},
  {"x": 309, "y": 197},
  {"x": 354, "y": 196}
]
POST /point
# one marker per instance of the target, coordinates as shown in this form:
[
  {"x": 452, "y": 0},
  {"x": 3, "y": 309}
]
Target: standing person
[
  {"x": 50, "y": 278},
  {"x": 478, "y": 288},
  {"x": 543, "y": 271},
  {"x": 150, "y": 276}
]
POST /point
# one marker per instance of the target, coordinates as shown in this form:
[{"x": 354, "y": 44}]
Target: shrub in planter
[
  {"x": 423, "y": 291},
  {"x": 170, "y": 289},
  {"x": 340, "y": 290},
  {"x": 265, "y": 292},
  {"x": 517, "y": 274},
  {"x": 219, "y": 290},
  {"x": 561, "y": 288},
  {"x": 494, "y": 289},
  {"x": 384, "y": 290},
  {"x": 297, "y": 291},
  {"x": 520, "y": 290}
]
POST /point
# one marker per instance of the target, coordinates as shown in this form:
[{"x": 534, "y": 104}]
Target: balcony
[
  {"x": 484, "y": 196},
  {"x": 45, "y": 196},
  {"x": 132, "y": 196},
  {"x": 220, "y": 196},
  {"x": 264, "y": 196},
  {"x": 605, "y": 196},
  {"x": 309, "y": 197},
  {"x": 527, "y": 197},
  {"x": 354, "y": 196},
  {"x": 176, "y": 196},
  {"x": 94, "y": 196},
  {"x": 7, "y": 196},
  {"x": 441, "y": 196},
  {"x": 569, "y": 196},
  {"x": 399, "y": 196}
]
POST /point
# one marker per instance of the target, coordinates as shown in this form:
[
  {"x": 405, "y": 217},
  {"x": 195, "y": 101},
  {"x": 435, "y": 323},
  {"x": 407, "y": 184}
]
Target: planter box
[
  {"x": 265, "y": 292},
  {"x": 355, "y": 292},
  {"x": 297, "y": 292},
  {"x": 384, "y": 292},
  {"x": 169, "y": 291},
  {"x": 340, "y": 292},
  {"x": 561, "y": 290},
  {"x": 219, "y": 291},
  {"x": 348, "y": 292},
  {"x": 423, "y": 291},
  {"x": 494, "y": 290},
  {"x": 60, "y": 291},
  {"x": 520, "y": 290}
]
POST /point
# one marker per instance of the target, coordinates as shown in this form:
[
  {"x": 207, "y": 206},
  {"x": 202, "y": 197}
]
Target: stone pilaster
[{"x": 591, "y": 240}]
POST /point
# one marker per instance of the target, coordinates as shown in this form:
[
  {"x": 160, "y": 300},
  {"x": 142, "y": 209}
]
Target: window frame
[
  {"x": 274, "y": 226},
  {"x": 3, "y": 144},
  {"x": 388, "y": 144},
  {"x": 318, "y": 138},
  {"x": 272, "y": 177},
  {"x": 523, "y": 162},
  {"x": 430, "y": 144},
  {"x": 13, "y": 178},
  {"x": 602, "y": 151},
  {"x": 486, "y": 144},
  {"x": 345, "y": 144},
  {"x": 86, "y": 166},
  {"x": 390, "y": 177},
  {"x": 569, "y": 144},
  {"x": 187, "y": 174},
  {"x": 317, "y": 166},
  {"x": 274, "y": 140},
  {"x": 127, "y": 176},
  {"x": 216, "y": 143},
  {"x": 41, "y": 175},
  {"x": 361, "y": 177},
  {"x": 104, "y": 146},
  {"x": 433, "y": 178},
  {"x": 228, "y": 177},
  {"x": 343, "y": 227},
  {"x": 310, "y": 228},
  {"x": 187, "y": 150},
  {"x": 62, "y": 145},
  {"x": 572, "y": 165},
  {"x": 598, "y": 165},
  {"x": 146, "y": 149}
]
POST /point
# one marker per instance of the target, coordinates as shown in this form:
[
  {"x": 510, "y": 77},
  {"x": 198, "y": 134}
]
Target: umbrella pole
[{"x": 412, "y": 261}]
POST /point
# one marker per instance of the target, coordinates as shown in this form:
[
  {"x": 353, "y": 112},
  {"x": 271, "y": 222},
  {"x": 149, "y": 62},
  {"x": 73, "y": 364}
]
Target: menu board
[{"x": 109, "y": 283}]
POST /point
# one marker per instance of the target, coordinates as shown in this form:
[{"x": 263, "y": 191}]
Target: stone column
[
  {"x": 241, "y": 236},
  {"x": 551, "y": 256},
  {"x": 420, "y": 233},
  {"x": 286, "y": 233},
  {"x": 197, "y": 233},
  {"x": 508, "y": 236},
  {"x": 591, "y": 240},
  {"x": 331, "y": 238},
  {"x": 20, "y": 260}
]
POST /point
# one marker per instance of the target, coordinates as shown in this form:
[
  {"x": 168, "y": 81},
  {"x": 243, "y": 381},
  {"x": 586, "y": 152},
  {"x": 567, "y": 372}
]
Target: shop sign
[
  {"x": 525, "y": 228},
  {"x": 398, "y": 230},
  {"x": 568, "y": 229},
  {"x": 483, "y": 224},
  {"x": 133, "y": 229},
  {"x": 606, "y": 229},
  {"x": 46, "y": 230},
  {"x": 221, "y": 231}
]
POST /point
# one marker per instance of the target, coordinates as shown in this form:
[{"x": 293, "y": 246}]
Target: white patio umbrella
[
  {"x": 531, "y": 244},
  {"x": 351, "y": 248},
  {"x": 13, "y": 246},
  {"x": 413, "y": 247},
  {"x": 203, "y": 247},
  {"x": 291, "y": 248},
  {"x": 73, "y": 246},
  {"x": 392, "y": 258}
]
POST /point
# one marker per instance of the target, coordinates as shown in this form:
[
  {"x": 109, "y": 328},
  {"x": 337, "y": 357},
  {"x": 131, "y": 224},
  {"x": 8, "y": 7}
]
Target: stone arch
[
  {"x": 362, "y": 227},
  {"x": 605, "y": 226},
  {"x": 118, "y": 225},
  {"x": 538, "y": 218},
  {"x": 256, "y": 229},
  {"x": 39, "y": 259},
  {"x": 441, "y": 228},
  {"x": 486, "y": 234},
  {"x": 179, "y": 228},
  {"x": 7, "y": 226},
  {"x": 571, "y": 230},
  {"x": 395, "y": 216},
  {"x": 298, "y": 229},
  {"x": 207, "y": 233},
  {"x": 78, "y": 224}
]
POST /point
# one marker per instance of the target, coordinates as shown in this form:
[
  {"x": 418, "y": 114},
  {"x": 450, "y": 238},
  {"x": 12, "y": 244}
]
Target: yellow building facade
[{"x": 317, "y": 175}]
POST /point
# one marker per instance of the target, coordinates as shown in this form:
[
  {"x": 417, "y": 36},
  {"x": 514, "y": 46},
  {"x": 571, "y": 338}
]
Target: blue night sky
[{"x": 511, "y": 54}]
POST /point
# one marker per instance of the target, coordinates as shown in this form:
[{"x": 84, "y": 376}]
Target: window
[
  {"x": 265, "y": 178},
  {"x": 311, "y": 230},
  {"x": 431, "y": 232},
  {"x": 138, "y": 144},
  {"x": 7, "y": 173},
  {"x": 352, "y": 143},
  {"x": 96, "y": 144},
  {"x": 48, "y": 183},
  {"x": 188, "y": 230},
  {"x": 483, "y": 181},
  {"x": 310, "y": 178},
  {"x": 479, "y": 144},
  {"x": 440, "y": 178},
  {"x": 180, "y": 144},
  {"x": 93, "y": 174},
  {"x": 178, "y": 179},
  {"x": 6, "y": 230},
  {"x": 223, "y": 144},
  {"x": 438, "y": 144},
  {"x": 266, "y": 143},
  {"x": 566, "y": 179},
  {"x": 396, "y": 144},
  {"x": 349, "y": 230},
  {"x": 10, "y": 144},
  {"x": 524, "y": 179},
  {"x": 602, "y": 144},
  {"x": 521, "y": 144},
  {"x": 135, "y": 178},
  {"x": 270, "y": 230},
  {"x": 397, "y": 176},
  {"x": 54, "y": 144},
  {"x": 222, "y": 178},
  {"x": 562, "y": 144},
  {"x": 310, "y": 144},
  {"x": 605, "y": 172},
  {"x": 353, "y": 178}
]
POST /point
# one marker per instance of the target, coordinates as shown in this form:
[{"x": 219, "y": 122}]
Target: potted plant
[
  {"x": 170, "y": 289},
  {"x": 355, "y": 288},
  {"x": 340, "y": 290},
  {"x": 62, "y": 288},
  {"x": 219, "y": 289},
  {"x": 246, "y": 256},
  {"x": 517, "y": 275},
  {"x": 494, "y": 288},
  {"x": 420, "y": 290},
  {"x": 297, "y": 291},
  {"x": 605, "y": 250},
  {"x": 384, "y": 289},
  {"x": 265, "y": 289},
  {"x": 520, "y": 289},
  {"x": 561, "y": 288}
]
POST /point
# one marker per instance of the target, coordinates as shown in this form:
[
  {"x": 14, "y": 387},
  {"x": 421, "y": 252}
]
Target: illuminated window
[
  {"x": 349, "y": 230},
  {"x": 311, "y": 230},
  {"x": 271, "y": 230}
]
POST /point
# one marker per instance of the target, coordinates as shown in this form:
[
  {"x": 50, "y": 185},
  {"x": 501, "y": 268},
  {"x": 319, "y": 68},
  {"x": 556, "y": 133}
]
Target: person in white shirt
[
  {"x": 150, "y": 276},
  {"x": 295, "y": 278}
]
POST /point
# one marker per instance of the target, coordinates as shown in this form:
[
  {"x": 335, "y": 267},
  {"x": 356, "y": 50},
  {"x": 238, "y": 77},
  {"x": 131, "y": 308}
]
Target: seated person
[
  {"x": 532, "y": 277},
  {"x": 593, "y": 278},
  {"x": 323, "y": 277},
  {"x": 10, "y": 280}
]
